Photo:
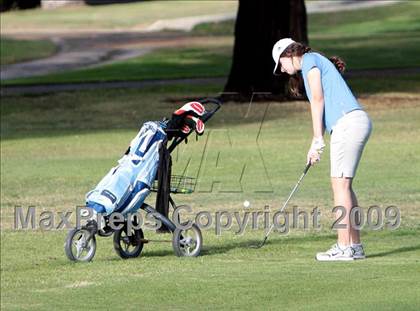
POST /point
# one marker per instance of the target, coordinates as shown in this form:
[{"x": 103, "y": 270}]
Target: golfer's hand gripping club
[{"x": 315, "y": 151}]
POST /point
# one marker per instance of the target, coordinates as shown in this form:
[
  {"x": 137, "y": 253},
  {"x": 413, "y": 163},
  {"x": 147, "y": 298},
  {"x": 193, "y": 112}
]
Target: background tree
[
  {"x": 6, "y": 5},
  {"x": 259, "y": 24}
]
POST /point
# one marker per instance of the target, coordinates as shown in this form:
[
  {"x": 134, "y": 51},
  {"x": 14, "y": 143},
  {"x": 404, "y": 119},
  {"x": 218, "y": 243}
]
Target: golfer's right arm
[
  {"x": 317, "y": 102},
  {"x": 317, "y": 112}
]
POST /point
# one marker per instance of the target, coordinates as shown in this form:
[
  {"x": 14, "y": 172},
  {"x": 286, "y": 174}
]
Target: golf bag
[{"x": 127, "y": 185}]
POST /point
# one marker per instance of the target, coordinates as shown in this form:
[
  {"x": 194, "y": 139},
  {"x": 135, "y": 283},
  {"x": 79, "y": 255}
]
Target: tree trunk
[
  {"x": 259, "y": 24},
  {"x": 28, "y": 4}
]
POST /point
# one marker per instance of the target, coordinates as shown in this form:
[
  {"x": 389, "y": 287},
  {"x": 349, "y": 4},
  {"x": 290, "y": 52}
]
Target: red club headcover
[
  {"x": 186, "y": 119},
  {"x": 195, "y": 109}
]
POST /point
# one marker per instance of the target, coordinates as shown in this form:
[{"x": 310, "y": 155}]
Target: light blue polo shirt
[{"x": 338, "y": 98}]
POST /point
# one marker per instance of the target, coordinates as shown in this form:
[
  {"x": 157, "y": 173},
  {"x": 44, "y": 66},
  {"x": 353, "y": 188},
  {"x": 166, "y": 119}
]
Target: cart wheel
[
  {"x": 80, "y": 245},
  {"x": 128, "y": 246},
  {"x": 188, "y": 242}
]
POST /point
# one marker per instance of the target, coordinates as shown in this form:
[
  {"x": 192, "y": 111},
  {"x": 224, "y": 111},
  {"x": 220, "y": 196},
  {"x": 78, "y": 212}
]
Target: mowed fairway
[{"x": 55, "y": 148}]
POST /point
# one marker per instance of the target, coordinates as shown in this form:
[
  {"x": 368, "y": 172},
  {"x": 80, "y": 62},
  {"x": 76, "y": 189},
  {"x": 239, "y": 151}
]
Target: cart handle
[{"x": 216, "y": 102}]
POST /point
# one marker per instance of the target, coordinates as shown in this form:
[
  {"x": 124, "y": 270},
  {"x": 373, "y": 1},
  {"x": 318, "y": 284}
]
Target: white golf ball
[{"x": 247, "y": 204}]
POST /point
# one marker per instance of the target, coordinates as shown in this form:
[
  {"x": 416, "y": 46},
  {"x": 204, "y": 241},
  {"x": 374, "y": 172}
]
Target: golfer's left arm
[{"x": 317, "y": 102}]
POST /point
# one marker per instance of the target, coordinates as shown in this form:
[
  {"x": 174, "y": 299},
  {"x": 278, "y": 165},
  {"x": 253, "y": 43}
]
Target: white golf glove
[{"x": 317, "y": 147}]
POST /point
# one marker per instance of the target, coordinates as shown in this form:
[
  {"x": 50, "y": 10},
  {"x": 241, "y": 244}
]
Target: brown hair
[{"x": 296, "y": 87}]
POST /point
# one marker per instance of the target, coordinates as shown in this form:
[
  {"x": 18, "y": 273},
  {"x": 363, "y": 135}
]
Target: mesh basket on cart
[{"x": 179, "y": 184}]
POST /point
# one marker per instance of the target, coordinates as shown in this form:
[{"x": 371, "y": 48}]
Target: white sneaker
[
  {"x": 335, "y": 253},
  {"x": 358, "y": 252}
]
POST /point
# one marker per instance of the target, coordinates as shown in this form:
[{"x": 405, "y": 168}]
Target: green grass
[
  {"x": 228, "y": 276},
  {"x": 54, "y": 148},
  {"x": 108, "y": 17},
  {"x": 225, "y": 28},
  {"x": 378, "y": 84},
  {"x": 52, "y": 127},
  {"x": 14, "y": 51},
  {"x": 402, "y": 17},
  {"x": 373, "y": 52}
]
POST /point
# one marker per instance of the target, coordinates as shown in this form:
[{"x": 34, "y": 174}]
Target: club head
[{"x": 259, "y": 245}]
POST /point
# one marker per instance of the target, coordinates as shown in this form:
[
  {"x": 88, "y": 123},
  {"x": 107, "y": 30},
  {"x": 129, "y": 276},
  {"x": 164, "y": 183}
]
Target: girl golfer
[{"x": 334, "y": 109}]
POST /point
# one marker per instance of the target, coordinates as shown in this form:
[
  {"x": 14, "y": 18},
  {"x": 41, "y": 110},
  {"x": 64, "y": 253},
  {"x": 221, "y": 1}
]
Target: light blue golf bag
[{"x": 127, "y": 185}]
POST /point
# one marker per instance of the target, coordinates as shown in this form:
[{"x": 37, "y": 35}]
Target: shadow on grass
[
  {"x": 146, "y": 254},
  {"x": 230, "y": 245},
  {"x": 396, "y": 251},
  {"x": 212, "y": 249},
  {"x": 45, "y": 117},
  {"x": 250, "y": 244}
]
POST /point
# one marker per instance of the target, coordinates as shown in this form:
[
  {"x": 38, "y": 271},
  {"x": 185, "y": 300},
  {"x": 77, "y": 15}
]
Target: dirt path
[
  {"x": 51, "y": 88},
  {"x": 94, "y": 49}
]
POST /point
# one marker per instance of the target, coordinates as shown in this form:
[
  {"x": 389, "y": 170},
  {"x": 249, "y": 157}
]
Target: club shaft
[{"x": 288, "y": 199}]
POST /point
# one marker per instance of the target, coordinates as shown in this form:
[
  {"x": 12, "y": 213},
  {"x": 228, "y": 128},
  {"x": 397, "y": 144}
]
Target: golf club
[{"x": 284, "y": 206}]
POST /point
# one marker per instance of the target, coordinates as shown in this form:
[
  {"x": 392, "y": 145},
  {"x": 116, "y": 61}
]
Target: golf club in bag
[{"x": 284, "y": 205}]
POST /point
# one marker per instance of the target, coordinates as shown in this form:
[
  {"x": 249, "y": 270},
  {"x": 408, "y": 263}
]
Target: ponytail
[{"x": 339, "y": 63}]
